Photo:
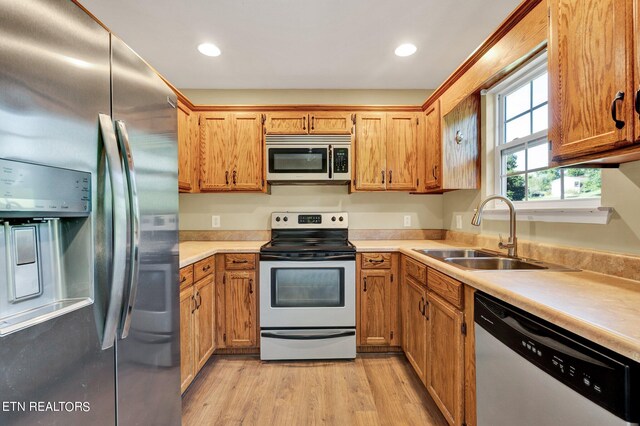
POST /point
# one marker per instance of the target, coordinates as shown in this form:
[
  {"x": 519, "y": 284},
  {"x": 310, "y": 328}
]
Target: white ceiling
[{"x": 303, "y": 44}]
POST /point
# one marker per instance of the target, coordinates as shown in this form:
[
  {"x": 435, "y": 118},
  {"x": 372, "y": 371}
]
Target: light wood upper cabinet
[
  {"x": 331, "y": 123},
  {"x": 370, "y": 152},
  {"x": 445, "y": 366},
  {"x": 187, "y": 148},
  {"x": 240, "y": 307},
  {"x": 590, "y": 65},
  {"x": 386, "y": 151},
  {"x": 204, "y": 294},
  {"x": 375, "y": 307},
  {"x": 187, "y": 341},
  {"x": 636, "y": 86},
  {"x": 461, "y": 146},
  {"x": 433, "y": 145},
  {"x": 231, "y": 150},
  {"x": 247, "y": 151},
  {"x": 402, "y": 148},
  {"x": 287, "y": 123}
]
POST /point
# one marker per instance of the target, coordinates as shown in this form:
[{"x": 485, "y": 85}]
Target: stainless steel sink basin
[
  {"x": 503, "y": 264},
  {"x": 464, "y": 253}
]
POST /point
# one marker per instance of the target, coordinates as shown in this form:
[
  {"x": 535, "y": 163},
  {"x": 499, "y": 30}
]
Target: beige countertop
[{"x": 601, "y": 308}]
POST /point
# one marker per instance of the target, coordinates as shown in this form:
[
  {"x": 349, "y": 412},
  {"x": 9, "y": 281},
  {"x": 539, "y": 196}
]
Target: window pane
[
  {"x": 540, "y": 119},
  {"x": 518, "y": 101},
  {"x": 515, "y": 188},
  {"x": 540, "y": 90},
  {"x": 582, "y": 183},
  {"x": 544, "y": 185},
  {"x": 518, "y": 128},
  {"x": 513, "y": 160},
  {"x": 538, "y": 156}
]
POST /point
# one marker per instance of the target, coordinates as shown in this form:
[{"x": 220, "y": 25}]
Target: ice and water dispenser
[{"x": 46, "y": 265}]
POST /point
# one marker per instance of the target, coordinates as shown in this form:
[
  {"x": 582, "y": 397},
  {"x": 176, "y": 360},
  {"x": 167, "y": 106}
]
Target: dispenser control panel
[{"x": 33, "y": 190}]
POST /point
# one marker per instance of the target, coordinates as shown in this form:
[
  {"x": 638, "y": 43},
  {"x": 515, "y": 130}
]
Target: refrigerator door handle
[
  {"x": 118, "y": 263},
  {"x": 134, "y": 223}
]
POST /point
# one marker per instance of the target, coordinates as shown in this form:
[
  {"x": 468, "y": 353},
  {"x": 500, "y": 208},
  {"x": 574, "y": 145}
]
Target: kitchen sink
[
  {"x": 503, "y": 264},
  {"x": 457, "y": 253}
]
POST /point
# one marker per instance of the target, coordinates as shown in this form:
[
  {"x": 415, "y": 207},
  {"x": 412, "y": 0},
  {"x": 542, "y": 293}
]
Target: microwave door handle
[
  {"x": 134, "y": 224},
  {"x": 119, "y": 236},
  {"x": 330, "y": 162}
]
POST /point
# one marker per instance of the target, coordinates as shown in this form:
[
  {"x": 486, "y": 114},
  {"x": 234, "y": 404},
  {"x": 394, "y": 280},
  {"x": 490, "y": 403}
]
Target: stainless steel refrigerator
[{"x": 89, "y": 331}]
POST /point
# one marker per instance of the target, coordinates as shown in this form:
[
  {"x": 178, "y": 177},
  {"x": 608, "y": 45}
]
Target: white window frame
[{"x": 578, "y": 210}]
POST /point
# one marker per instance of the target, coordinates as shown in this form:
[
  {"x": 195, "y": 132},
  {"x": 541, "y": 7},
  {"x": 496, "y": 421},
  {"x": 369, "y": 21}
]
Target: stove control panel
[{"x": 288, "y": 220}]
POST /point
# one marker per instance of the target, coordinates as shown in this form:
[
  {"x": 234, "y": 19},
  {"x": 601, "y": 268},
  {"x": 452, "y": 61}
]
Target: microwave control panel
[{"x": 341, "y": 160}]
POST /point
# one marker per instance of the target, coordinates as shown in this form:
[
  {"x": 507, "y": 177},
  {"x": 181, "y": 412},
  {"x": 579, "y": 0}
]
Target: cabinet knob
[
  {"x": 459, "y": 137},
  {"x": 614, "y": 111}
]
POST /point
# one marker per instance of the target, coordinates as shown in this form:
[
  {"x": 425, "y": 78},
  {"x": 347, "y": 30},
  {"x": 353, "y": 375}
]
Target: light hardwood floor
[{"x": 375, "y": 389}]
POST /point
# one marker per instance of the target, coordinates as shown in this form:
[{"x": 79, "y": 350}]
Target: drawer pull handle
[
  {"x": 240, "y": 261},
  {"x": 375, "y": 261},
  {"x": 614, "y": 112}
]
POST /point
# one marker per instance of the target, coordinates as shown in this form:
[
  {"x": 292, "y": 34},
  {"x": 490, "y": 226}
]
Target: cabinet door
[
  {"x": 241, "y": 308},
  {"x": 401, "y": 149},
  {"x": 187, "y": 341},
  {"x": 375, "y": 307},
  {"x": 445, "y": 377},
  {"x": 416, "y": 327},
  {"x": 370, "y": 153},
  {"x": 247, "y": 164},
  {"x": 216, "y": 149},
  {"x": 204, "y": 320},
  {"x": 461, "y": 144},
  {"x": 433, "y": 141},
  {"x": 589, "y": 63},
  {"x": 287, "y": 123},
  {"x": 187, "y": 122},
  {"x": 330, "y": 123},
  {"x": 636, "y": 35}
]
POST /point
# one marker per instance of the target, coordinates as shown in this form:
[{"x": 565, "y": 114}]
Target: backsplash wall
[{"x": 381, "y": 210}]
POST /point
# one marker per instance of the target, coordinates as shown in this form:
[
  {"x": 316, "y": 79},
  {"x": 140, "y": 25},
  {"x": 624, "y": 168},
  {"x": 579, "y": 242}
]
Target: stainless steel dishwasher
[{"x": 531, "y": 372}]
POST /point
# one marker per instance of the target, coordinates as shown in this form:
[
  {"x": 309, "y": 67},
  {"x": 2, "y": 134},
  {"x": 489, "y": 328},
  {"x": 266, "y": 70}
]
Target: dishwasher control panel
[{"x": 606, "y": 378}]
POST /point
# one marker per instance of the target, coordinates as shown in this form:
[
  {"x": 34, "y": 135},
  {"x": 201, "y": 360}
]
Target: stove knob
[
  {"x": 277, "y": 218},
  {"x": 333, "y": 219},
  {"x": 286, "y": 219},
  {"x": 341, "y": 219}
]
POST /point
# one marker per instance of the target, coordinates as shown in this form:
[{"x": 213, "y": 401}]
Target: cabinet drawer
[
  {"x": 186, "y": 276},
  {"x": 376, "y": 260},
  {"x": 240, "y": 261},
  {"x": 416, "y": 269},
  {"x": 451, "y": 290},
  {"x": 203, "y": 268}
]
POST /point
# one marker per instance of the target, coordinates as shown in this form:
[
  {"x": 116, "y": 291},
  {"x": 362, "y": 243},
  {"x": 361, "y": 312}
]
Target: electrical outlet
[
  {"x": 215, "y": 221},
  {"x": 407, "y": 220},
  {"x": 458, "y": 221}
]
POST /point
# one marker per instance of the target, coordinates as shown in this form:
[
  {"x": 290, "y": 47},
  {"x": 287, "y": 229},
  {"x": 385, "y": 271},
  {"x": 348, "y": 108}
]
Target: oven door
[
  {"x": 290, "y": 162},
  {"x": 307, "y": 294}
]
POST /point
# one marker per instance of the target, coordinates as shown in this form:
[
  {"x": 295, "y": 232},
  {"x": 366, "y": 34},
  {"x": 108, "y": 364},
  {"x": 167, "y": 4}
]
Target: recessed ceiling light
[
  {"x": 209, "y": 49},
  {"x": 406, "y": 49}
]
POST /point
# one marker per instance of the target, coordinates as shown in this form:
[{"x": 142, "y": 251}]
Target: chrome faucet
[{"x": 512, "y": 244}]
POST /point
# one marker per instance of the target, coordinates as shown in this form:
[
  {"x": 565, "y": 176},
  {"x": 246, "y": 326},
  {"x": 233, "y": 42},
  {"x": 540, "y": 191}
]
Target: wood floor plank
[{"x": 375, "y": 389}]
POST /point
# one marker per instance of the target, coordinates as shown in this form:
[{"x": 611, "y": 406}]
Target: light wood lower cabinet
[
  {"x": 445, "y": 366},
  {"x": 414, "y": 332},
  {"x": 197, "y": 322},
  {"x": 377, "y": 322},
  {"x": 237, "y": 317}
]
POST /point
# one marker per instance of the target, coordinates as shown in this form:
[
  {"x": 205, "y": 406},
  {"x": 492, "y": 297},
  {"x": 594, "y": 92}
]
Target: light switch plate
[
  {"x": 215, "y": 221},
  {"x": 407, "y": 220},
  {"x": 458, "y": 221}
]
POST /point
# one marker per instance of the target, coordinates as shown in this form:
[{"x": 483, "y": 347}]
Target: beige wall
[
  {"x": 366, "y": 210},
  {"x": 620, "y": 190},
  {"x": 284, "y": 97}
]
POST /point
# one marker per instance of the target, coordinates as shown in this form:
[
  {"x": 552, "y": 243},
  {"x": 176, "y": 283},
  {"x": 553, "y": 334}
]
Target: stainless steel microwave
[{"x": 308, "y": 159}]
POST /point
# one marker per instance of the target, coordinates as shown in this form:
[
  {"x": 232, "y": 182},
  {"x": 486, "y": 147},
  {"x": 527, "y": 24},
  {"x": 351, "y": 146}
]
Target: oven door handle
[
  {"x": 308, "y": 336},
  {"x": 268, "y": 256}
]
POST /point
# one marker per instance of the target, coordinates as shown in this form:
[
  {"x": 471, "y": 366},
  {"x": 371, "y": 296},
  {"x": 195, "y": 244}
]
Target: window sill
[{"x": 578, "y": 211}]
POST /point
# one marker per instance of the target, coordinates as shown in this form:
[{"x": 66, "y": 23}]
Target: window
[{"x": 522, "y": 155}]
